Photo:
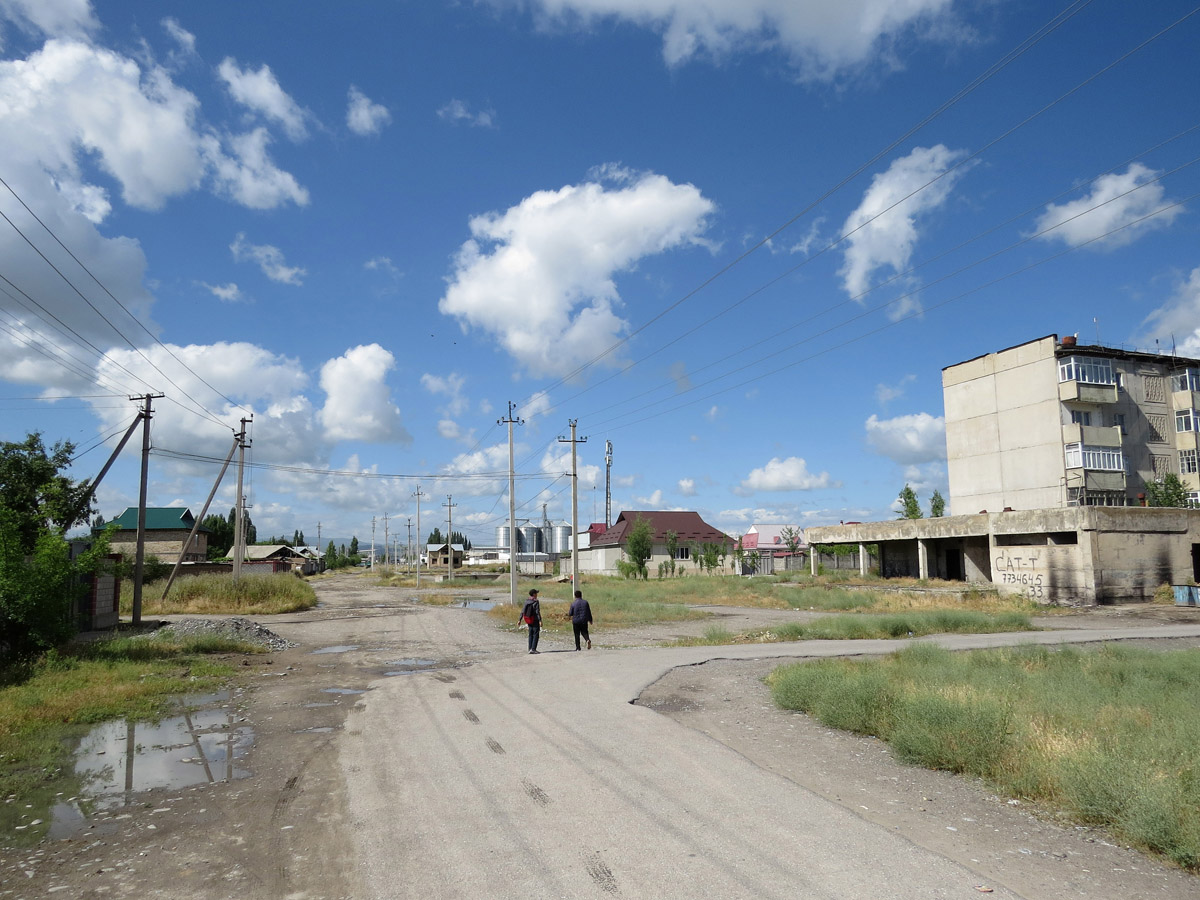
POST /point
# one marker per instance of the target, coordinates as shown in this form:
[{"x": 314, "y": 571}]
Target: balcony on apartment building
[
  {"x": 1092, "y": 436},
  {"x": 1086, "y": 379}
]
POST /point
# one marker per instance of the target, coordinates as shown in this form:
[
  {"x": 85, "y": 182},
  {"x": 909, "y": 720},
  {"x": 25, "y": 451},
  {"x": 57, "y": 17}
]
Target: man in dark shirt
[{"x": 581, "y": 617}]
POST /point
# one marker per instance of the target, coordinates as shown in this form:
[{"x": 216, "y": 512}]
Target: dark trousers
[
  {"x": 535, "y": 631},
  {"x": 580, "y": 628}
]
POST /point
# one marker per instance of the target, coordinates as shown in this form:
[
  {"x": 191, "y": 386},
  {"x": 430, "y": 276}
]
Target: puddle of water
[
  {"x": 479, "y": 604},
  {"x": 341, "y": 691},
  {"x": 316, "y": 705},
  {"x": 412, "y": 662},
  {"x": 118, "y": 759},
  {"x": 341, "y": 648}
]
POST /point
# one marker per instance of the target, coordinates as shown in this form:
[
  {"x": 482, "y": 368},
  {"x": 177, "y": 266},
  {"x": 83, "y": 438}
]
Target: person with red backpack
[{"x": 531, "y": 615}]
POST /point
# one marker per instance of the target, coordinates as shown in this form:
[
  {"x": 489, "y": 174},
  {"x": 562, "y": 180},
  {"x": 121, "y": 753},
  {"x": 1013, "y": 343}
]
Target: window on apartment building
[
  {"x": 1106, "y": 459},
  {"x": 1118, "y": 421},
  {"x": 1157, "y": 425},
  {"x": 1188, "y": 462},
  {"x": 1153, "y": 386},
  {"x": 1193, "y": 498},
  {"x": 1081, "y": 417},
  {"x": 1088, "y": 369},
  {"x": 1185, "y": 420},
  {"x": 1187, "y": 380}
]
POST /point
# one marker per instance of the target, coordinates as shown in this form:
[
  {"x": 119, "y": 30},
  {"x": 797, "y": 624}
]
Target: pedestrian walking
[
  {"x": 581, "y": 618},
  {"x": 531, "y": 615}
]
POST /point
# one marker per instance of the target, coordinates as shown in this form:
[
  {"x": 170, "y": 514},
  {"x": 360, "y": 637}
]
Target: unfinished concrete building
[{"x": 1050, "y": 446}]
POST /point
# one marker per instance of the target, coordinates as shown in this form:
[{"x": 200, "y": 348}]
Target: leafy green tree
[
  {"x": 354, "y": 547},
  {"x": 38, "y": 497},
  {"x": 639, "y": 545},
  {"x": 220, "y": 538},
  {"x": 331, "y": 556},
  {"x": 1167, "y": 491},
  {"x": 435, "y": 537},
  {"x": 39, "y": 582},
  {"x": 792, "y": 539},
  {"x": 672, "y": 550},
  {"x": 937, "y": 505},
  {"x": 910, "y": 507}
]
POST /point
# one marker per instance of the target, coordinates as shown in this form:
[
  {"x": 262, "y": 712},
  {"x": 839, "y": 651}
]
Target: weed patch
[{"x": 1110, "y": 736}]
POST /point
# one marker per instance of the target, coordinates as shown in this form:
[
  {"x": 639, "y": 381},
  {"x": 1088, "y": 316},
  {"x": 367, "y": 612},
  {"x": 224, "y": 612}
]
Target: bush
[{"x": 37, "y": 591}]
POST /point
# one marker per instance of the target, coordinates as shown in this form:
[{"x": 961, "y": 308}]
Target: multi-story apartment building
[
  {"x": 1053, "y": 423},
  {"x": 1050, "y": 446}
]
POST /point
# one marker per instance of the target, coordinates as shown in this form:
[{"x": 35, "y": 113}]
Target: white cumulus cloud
[
  {"x": 55, "y": 18},
  {"x": 358, "y": 404},
  {"x": 1178, "y": 319},
  {"x": 363, "y": 115},
  {"x": 822, "y": 39},
  {"x": 908, "y": 440},
  {"x": 459, "y": 113},
  {"x": 269, "y": 259},
  {"x": 71, "y": 104},
  {"x": 261, "y": 92},
  {"x": 541, "y": 275},
  {"x": 789, "y": 474},
  {"x": 1116, "y": 201},
  {"x": 883, "y": 229},
  {"x": 687, "y": 487}
]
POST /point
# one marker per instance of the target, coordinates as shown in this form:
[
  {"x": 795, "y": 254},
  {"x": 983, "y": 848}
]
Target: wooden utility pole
[
  {"x": 140, "y": 555},
  {"x": 574, "y": 505},
  {"x": 511, "y": 420}
]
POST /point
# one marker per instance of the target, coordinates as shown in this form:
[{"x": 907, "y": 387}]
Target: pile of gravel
[{"x": 237, "y": 628}]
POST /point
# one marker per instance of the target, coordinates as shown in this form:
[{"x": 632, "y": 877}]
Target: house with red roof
[
  {"x": 691, "y": 534},
  {"x": 765, "y": 549}
]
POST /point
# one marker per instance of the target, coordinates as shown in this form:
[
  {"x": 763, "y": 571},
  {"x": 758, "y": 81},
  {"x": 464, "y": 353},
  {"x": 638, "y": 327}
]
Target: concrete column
[
  {"x": 812, "y": 561},
  {"x": 922, "y": 559},
  {"x": 862, "y": 560}
]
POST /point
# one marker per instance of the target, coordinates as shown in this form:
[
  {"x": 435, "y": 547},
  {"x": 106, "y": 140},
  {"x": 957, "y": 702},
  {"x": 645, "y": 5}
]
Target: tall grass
[
  {"x": 873, "y": 627},
  {"x": 254, "y": 594},
  {"x": 1112, "y": 736}
]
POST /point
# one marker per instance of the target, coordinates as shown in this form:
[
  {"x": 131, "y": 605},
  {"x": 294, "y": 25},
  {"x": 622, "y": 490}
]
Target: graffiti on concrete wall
[{"x": 1021, "y": 570}]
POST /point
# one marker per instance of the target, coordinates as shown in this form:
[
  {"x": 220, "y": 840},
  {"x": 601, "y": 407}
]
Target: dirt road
[{"x": 300, "y": 827}]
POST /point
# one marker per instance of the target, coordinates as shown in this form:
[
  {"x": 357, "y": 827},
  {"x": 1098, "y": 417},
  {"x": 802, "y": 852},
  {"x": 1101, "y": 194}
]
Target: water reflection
[{"x": 119, "y": 759}]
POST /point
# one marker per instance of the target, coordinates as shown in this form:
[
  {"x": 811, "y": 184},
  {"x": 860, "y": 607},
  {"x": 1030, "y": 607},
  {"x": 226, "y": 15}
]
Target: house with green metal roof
[{"x": 167, "y": 527}]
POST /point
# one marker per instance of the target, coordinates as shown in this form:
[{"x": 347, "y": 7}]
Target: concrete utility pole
[
  {"x": 200, "y": 518},
  {"x": 511, "y": 420},
  {"x": 408, "y": 546},
  {"x": 419, "y": 495},
  {"x": 574, "y": 504},
  {"x": 239, "y": 534},
  {"x": 372, "y": 543},
  {"x": 450, "y": 504},
  {"x": 607, "y": 483},
  {"x": 386, "y": 546},
  {"x": 140, "y": 555}
]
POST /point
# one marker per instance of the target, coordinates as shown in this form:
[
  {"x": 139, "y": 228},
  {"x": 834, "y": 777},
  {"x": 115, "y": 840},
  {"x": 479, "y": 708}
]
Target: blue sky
[{"x": 704, "y": 229}]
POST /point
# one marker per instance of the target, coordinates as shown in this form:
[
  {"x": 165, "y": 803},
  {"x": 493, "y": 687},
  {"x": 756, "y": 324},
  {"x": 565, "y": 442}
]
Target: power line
[
  {"x": 1023, "y": 47},
  {"x": 96, "y": 309},
  {"x": 900, "y": 319}
]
